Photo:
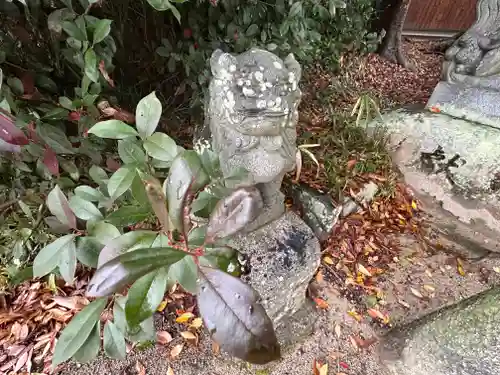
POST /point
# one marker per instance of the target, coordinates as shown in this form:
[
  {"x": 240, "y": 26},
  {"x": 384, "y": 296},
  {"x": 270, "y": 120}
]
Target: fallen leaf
[
  {"x": 176, "y": 350},
  {"x": 351, "y": 163},
  {"x": 414, "y": 205},
  {"x": 139, "y": 367},
  {"x": 429, "y": 288},
  {"x": 336, "y": 355},
  {"x": 323, "y": 370},
  {"x": 184, "y": 317},
  {"x": 416, "y": 293},
  {"x": 344, "y": 365},
  {"x": 163, "y": 337},
  {"x": 170, "y": 371},
  {"x": 496, "y": 269},
  {"x": 338, "y": 330},
  {"x": 376, "y": 314},
  {"x": 21, "y": 361},
  {"x": 355, "y": 315},
  {"x": 363, "y": 270},
  {"x": 215, "y": 348},
  {"x": 321, "y": 303},
  {"x": 403, "y": 303},
  {"x": 354, "y": 343},
  {"x": 188, "y": 335},
  {"x": 319, "y": 277},
  {"x": 328, "y": 260},
  {"x": 162, "y": 306},
  {"x": 196, "y": 323},
  {"x": 362, "y": 343},
  {"x": 460, "y": 267}
]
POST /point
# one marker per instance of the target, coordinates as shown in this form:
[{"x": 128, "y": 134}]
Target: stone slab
[
  {"x": 456, "y": 163},
  {"x": 459, "y": 340},
  {"x": 467, "y": 102}
]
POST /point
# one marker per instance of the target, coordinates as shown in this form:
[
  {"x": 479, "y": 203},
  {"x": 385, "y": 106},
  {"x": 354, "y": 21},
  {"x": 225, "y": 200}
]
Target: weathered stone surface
[
  {"x": 283, "y": 256},
  {"x": 455, "y": 162},
  {"x": 317, "y": 209},
  {"x": 467, "y": 102},
  {"x": 459, "y": 340}
]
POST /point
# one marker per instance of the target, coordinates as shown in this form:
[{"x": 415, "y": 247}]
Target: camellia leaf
[
  {"x": 185, "y": 273},
  {"x": 104, "y": 232},
  {"x": 126, "y": 242},
  {"x": 147, "y": 115},
  {"x": 145, "y": 295},
  {"x": 128, "y": 215},
  {"x": 70, "y": 167},
  {"x": 74, "y": 31},
  {"x": 50, "y": 161},
  {"x": 114, "y": 129},
  {"x": 59, "y": 206},
  {"x": 160, "y": 146},
  {"x": 121, "y": 181},
  {"x": 101, "y": 30},
  {"x": 235, "y": 319},
  {"x": 87, "y": 250},
  {"x": 67, "y": 262},
  {"x": 91, "y": 70},
  {"x": 234, "y": 212},
  {"x": 128, "y": 267},
  {"x": 130, "y": 153},
  {"x": 76, "y": 333},
  {"x": 114, "y": 342},
  {"x": 144, "y": 332},
  {"x": 84, "y": 209},
  {"x": 10, "y": 133},
  {"x": 186, "y": 176},
  {"x": 90, "y": 348},
  {"x": 88, "y": 193},
  {"x": 98, "y": 175},
  {"x": 48, "y": 258},
  {"x": 54, "y": 138}
]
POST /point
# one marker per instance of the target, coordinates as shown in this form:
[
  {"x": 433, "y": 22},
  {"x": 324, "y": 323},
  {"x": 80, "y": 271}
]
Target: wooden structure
[{"x": 441, "y": 16}]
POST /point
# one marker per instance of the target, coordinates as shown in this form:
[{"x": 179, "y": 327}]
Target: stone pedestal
[{"x": 283, "y": 256}]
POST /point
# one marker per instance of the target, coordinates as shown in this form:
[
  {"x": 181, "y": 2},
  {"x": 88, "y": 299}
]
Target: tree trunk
[{"x": 391, "y": 47}]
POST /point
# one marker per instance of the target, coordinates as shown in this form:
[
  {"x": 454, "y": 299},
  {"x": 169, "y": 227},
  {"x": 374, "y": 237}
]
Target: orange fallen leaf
[
  {"x": 321, "y": 303},
  {"x": 460, "y": 267},
  {"x": 323, "y": 370},
  {"x": 362, "y": 343},
  {"x": 176, "y": 350},
  {"x": 170, "y": 371},
  {"x": 163, "y": 337},
  {"x": 351, "y": 163},
  {"x": 184, "y": 317},
  {"x": 139, "y": 367},
  {"x": 435, "y": 109},
  {"x": 215, "y": 348},
  {"x": 376, "y": 314}
]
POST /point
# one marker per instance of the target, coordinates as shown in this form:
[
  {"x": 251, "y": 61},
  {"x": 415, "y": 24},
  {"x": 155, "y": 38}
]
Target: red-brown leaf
[
  {"x": 50, "y": 161},
  {"x": 9, "y": 132}
]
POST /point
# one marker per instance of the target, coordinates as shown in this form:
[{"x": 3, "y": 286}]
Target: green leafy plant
[
  {"x": 365, "y": 109},
  {"x": 186, "y": 222},
  {"x": 304, "y": 28},
  {"x": 43, "y": 129},
  {"x": 304, "y": 149}
]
